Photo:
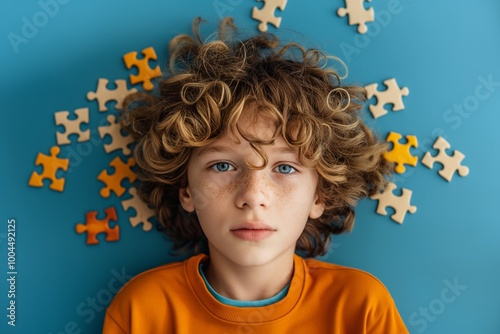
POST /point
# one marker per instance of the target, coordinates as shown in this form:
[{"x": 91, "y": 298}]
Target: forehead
[
  {"x": 253, "y": 129},
  {"x": 255, "y": 125}
]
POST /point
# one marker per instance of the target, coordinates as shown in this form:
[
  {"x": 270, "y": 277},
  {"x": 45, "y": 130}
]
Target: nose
[{"x": 254, "y": 190}]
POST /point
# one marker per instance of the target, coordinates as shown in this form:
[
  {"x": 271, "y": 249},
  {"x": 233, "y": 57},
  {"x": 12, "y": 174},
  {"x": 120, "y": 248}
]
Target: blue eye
[
  {"x": 222, "y": 167},
  {"x": 285, "y": 169}
]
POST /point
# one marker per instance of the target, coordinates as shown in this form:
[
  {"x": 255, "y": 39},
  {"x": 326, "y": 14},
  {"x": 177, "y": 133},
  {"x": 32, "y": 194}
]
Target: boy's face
[{"x": 250, "y": 216}]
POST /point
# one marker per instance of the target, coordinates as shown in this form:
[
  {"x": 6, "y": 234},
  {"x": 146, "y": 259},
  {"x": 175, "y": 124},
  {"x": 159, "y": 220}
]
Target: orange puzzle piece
[
  {"x": 144, "y": 72},
  {"x": 94, "y": 226},
  {"x": 400, "y": 153},
  {"x": 113, "y": 181},
  {"x": 50, "y": 166}
]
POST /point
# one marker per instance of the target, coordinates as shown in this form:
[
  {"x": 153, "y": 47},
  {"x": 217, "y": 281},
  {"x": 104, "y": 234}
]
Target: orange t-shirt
[{"x": 322, "y": 298}]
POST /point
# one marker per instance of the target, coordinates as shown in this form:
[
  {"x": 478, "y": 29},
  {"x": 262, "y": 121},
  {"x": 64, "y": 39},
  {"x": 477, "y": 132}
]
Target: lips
[{"x": 252, "y": 231}]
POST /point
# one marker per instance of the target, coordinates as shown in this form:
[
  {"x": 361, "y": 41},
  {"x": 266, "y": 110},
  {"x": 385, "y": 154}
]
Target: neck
[{"x": 246, "y": 283}]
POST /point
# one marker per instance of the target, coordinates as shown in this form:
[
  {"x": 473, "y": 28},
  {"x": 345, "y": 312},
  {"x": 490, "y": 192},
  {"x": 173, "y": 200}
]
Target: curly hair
[{"x": 210, "y": 84}]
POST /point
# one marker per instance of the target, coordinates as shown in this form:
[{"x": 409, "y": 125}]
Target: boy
[{"x": 250, "y": 152}]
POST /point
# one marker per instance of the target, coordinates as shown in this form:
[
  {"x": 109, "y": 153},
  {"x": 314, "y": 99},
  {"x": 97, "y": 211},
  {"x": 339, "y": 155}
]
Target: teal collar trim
[{"x": 243, "y": 303}]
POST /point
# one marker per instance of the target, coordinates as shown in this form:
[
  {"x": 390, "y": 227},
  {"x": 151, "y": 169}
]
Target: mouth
[{"x": 253, "y": 232}]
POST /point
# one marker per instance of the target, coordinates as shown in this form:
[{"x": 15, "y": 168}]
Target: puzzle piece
[
  {"x": 400, "y": 153},
  {"x": 113, "y": 181},
  {"x": 400, "y": 204},
  {"x": 118, "y": 140},
  {"x": 104, "y": 95},
  {"x": 143, "y": 212},
  {"x": 144, "y": 72},
  {"x": 50, "y": 166},
  {"x": 72, "y": 126},
  {"x": 393, "y": 94},
  {"x": 94, "y": 226},
  {"x": 266, "y": 14},
  {"x": 358, "y": 14},
  {"x": 450, "y": 163}
]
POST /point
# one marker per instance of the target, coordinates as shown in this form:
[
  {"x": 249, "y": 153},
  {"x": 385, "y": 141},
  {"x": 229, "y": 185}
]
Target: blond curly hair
[{"x": 207, "y": 88}]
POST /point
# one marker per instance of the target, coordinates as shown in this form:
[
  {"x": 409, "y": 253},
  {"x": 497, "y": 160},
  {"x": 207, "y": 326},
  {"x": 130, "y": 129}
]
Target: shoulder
[
  {"x": 166, "y": 280},
  {"x": 318, "y": 267},
  {"x": 356, "y": 294},
  {"x": 346, "y": 280},
  {"x": 149, "y": 295}
]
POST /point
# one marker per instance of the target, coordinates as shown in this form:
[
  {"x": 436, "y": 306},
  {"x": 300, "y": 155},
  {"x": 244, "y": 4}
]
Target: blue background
[{"x": 440, "y": 50}]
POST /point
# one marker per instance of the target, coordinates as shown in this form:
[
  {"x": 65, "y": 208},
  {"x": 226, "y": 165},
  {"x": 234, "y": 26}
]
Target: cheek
[
  {"x": 296, "y": 200},
  {"x": 202, "y": 196},
  {"x": 285, "y": 194},
  {"x": 291, "y": 193},
  {"x": 206, "y": 193},
  {"x": 204, "y": 188}
]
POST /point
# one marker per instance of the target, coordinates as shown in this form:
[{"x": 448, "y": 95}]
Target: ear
[
  {"x": 186, "y": 199},
  {"x": 317, "y": 208}
]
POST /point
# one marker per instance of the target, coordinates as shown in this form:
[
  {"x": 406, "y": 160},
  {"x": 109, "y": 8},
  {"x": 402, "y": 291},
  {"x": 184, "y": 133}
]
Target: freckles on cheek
[
  {"x": 293, "y": 198},
  {"x": 284, "y": 194},
  {"x": 285, "y": 201}
]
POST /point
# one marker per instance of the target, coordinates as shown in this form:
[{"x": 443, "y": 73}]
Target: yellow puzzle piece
[{"x": 400, "y": 153}]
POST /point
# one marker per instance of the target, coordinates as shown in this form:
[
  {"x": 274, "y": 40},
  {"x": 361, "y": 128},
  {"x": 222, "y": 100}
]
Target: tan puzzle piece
[
  {"x": 118, "y": 140},
  {"x": 113, "y": 181},
  {"x": 393, "y": 94},
  {"x": 143, "y": 212},
  {"x": 144, "y": 72},
  {"x": 451, "y": 164},
  {"x": 400, "y": 204},
  {"x": 94, "y": 226},
  {"x": 72, "y": 126},
  {"x": 50, "y": 166},
  {"x": 400, "y": 153},
  {"x": 266, "y": 14},
  {"x": 104, "y": 95},
  {"x": 357, "y": 13}
]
